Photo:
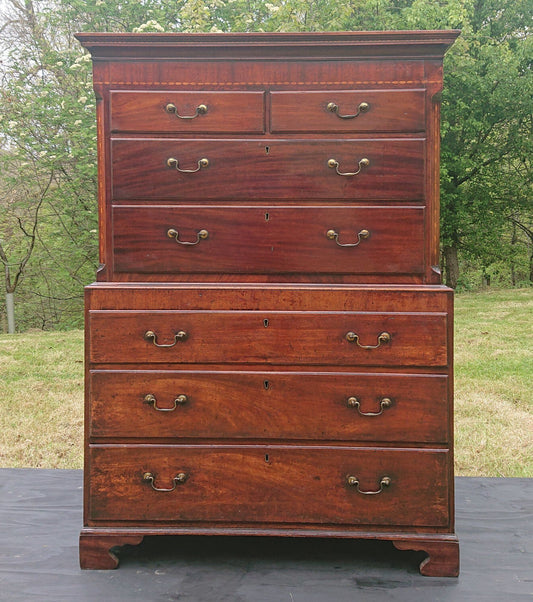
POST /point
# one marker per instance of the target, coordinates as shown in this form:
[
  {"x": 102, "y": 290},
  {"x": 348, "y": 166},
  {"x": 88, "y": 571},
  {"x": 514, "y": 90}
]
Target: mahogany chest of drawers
[{"x": 268, "y": 345}]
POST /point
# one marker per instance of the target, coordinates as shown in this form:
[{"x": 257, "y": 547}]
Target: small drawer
[
  {"x": 244, "y": 170},
  {"x": 195, "y": 112},
  {"x": 266, "y": 240},
  {"x": 268, "y": 405},
  {"x": 270, "y": 484},
  {"x": 348, "y": 111},
  {"x": 274, "y": 337}
]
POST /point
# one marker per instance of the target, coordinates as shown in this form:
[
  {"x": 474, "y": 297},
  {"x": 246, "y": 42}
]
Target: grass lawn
[
  {"x": 41, "y": 390},
  {"x": 494, "y": 383}
]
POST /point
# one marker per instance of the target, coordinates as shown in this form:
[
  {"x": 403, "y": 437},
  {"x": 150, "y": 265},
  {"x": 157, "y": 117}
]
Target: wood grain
[
  {"x": 267, "y": 169},
  {"x": 266, "y": 436},
  {"x": 227, "y": 112},
  {"x": 268, "y": 240},
  {"x": 389, "y": 111},
  {"x": 275, "y": 337},
  {"x": 276, "y": 484},
  {"x": 268, "y": 405}
]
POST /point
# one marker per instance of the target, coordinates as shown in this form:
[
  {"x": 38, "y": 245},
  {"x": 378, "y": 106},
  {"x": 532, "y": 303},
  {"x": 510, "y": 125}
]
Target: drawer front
[
  {"x": 269, "y": 405},
  {"x": 269, "y": 484},
  {"x": 208, "y": 112},
  {"x": 348, "y": 240},
  {"x": 267, "y": 169},
  {"x": 285, "y": 338},
  {"x": 348, "y": 111}
]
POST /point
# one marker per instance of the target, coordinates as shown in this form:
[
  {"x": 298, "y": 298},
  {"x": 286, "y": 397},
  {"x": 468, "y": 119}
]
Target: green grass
[
  {"x": 41, "y": 390},
  {"x": 493, "y": 383},
  {"x": 41, "y": 393}
]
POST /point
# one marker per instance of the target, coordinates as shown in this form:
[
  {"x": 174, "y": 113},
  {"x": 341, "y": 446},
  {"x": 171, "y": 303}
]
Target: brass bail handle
[
  {"x": 334, "y": 164},
  {"x": 200, "y": 235},
  {"x": 150, "y": 399},
  {"x": 354, "y": 482},
  {"x": 334, "y": 108},
  {"x": 149, "y": 477},
  {"x": 384, "y": 403},
  {"x": 200, "y": 110},
  {"x": 150, "y": 335},
  {"x": 383, "y": 338},
  {"x": 361, "y": 235},
  {"x": 174, "y": 163}
]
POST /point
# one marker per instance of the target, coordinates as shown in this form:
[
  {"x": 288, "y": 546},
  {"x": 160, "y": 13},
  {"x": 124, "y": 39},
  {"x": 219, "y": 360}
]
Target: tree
[
  {"x": 48, "y": 161},
  {"x": 486, "y": 124},
  {"x": 48, "y": 139},
  {"x": 15, "y": 259}
]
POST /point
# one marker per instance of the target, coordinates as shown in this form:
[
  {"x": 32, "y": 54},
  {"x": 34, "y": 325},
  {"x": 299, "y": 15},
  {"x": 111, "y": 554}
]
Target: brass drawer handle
[
  {"x": 334, "y": 235},
  {"x": 151, "y": 400},
  {"x": 352, "y": 337},
  {"x": 385, "y": 402},
  {"x": 200, "y": 235},
  {"x": 149, "y": 477},
  {"x": 334, "y": 164},
  {"x": 354, "y": 482},
  {"x": 200, "y": 110},
  {"x": 334, "y": 108},
  {"x": 172, "y": 162},
  {"x": 150, "y": 335}
]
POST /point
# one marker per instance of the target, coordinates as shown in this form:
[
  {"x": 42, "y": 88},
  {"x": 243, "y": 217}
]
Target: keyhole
[
  {"x": 266, "y": 384},
  {"x": 266, "y": 458},
  {"x": 267, "y": 216},
  {"x": 267, "y": 149},
  {"x": 265, "y": 323}
]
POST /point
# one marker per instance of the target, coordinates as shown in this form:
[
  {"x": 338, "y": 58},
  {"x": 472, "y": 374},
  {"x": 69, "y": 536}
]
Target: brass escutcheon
[
  {"x": 334, "y": 164},
  {"x": 151, "y": 400},
  {"x": 354, "y": 482},
  {"x": 150, "y": 335},
  {"x": 383, "y": 337},
  {"x": 173, "y": 162},
  {"x": 334, "y": 108},
  {"x": 149, "y": 477},
  {"x": 200, "y": 235},
  {"x": 334, "y": 235},
  {"x": 200, "y": 110},
  {"x": 353, "y": 402}
]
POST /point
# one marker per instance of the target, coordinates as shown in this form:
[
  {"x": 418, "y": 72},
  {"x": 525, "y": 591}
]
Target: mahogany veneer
[{"x": 268, "y": 345}]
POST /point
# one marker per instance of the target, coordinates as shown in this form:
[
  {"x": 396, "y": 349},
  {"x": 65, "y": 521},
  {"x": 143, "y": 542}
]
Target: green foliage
[{"x": 48, "y": 140}]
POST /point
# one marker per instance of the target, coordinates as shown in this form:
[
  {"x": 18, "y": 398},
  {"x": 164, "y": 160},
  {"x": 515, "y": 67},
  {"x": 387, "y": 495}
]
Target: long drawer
[
  {"x": 220, "y": 169},
  {"x": 273, "y": 484},
  {"x": 298, "y": 239},
  {"x": 268, "y": 405},
  {"x": 275, "y": 337}
]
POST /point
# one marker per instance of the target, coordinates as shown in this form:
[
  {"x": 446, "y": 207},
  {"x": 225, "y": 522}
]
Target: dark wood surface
[
  {"x": 40, "y": 513},
  {"x": 240, "y": 133},
  {"x": 268, "y": 297},
  {"x": 268, "y": 240},
  {"x": 301, "y": 45},
  {"x": 297, "y": 112},
  {"x": 267, "y": 169},
  {"x": 275, "y": 337},
  {"x": 268, "y": 405},
  {"x": 291, "y": 78},
  {"x": 227, "y": 112},
  {"x": 267, "y": 486}
]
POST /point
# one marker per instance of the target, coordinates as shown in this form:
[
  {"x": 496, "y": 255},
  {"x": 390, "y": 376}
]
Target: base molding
[
  {"x": 443, "y": 556},
  {"x": 96, "y": 543},
  {"x": 95, "y": 549}
]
